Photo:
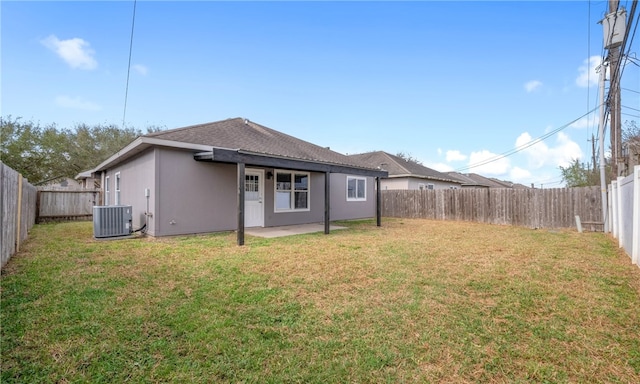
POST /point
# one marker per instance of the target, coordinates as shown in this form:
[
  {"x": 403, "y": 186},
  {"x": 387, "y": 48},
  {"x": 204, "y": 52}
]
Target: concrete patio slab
[{"x": 288, "y": 230}]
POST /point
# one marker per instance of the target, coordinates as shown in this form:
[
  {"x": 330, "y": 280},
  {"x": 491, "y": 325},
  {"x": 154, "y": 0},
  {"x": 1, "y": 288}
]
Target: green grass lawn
[{"x": 411, "y": 301}]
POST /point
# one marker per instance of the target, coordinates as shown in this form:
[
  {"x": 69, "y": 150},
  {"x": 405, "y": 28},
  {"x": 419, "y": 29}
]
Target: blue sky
[{"x": 450, "y": 83}]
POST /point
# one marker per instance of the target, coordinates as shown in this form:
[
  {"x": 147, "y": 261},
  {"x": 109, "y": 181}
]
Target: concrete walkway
[{"x": 288, "y": 230}]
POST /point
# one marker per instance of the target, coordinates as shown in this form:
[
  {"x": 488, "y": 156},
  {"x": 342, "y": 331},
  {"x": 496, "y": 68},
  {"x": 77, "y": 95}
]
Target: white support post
[
  {"x": 635, "y": 233},
  {"x": 613, "y": 212},
  {"x": 578, "y": 224},
  {"x": 619, "y": 212}
]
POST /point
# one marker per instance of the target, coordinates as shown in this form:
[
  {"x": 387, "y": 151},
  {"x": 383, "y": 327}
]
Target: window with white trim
[
  {"x": 107, "y": 191},
  {"x": 291, "y": 191},
  {"x": 422, "y": 186},
  {"x": 356, "y": 188},
  {"x": 117, "y": 188}
]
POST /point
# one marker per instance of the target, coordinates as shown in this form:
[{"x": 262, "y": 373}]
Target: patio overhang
[
  {"x": 243, "y": 158},
  {"x": 238, "y": 156}
]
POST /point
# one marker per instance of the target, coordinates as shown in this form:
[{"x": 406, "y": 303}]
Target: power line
[
  {"x": 635, "y": 109},
  {"x": 524, "y": 146},
  {"x": 126, "y": 91}
]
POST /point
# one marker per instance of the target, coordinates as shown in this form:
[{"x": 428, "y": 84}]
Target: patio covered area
[{"x": 289, "y": 230}]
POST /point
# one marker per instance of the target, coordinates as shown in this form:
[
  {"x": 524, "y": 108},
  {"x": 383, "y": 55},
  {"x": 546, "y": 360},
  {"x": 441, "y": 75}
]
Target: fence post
[
  {"x": 613, "y": 211},
  {"x": 619, "y": 212},
  {"x": 19, "y": 215},
  {"x": 635, "y": 233}
]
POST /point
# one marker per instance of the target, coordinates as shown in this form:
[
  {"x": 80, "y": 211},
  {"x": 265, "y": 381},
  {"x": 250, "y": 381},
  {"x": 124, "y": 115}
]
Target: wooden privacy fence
[
  {"x": 533, "y": 208},
  {"x": 18, "y": 207},
  {"x": 66, "y": 205}
]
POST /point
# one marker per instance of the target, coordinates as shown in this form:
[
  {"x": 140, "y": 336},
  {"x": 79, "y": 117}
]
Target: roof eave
[
  {"x": 424, "y": 177},
  {"x": 236, "y": 156},
  {"x": 142, "y": 143}
]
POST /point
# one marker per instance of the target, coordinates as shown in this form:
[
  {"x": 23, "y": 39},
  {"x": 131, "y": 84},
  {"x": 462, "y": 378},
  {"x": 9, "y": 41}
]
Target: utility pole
[
  {"x": 593, "y": 153},
  {"x": 601, "y": 124},
  {"x": 614, "y": 37}
]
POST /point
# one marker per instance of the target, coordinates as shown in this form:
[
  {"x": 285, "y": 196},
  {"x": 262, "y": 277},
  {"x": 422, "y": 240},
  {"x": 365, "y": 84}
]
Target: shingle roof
[
  {"x": 399, "y": 167},
  {"x": 466, "y": 180},
  {"x": 473, "y": 179},
  {"x": 242, "y": 134}
]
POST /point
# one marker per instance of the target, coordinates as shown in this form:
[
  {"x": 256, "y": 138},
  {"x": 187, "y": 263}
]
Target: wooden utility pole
[
  {"x": 593, "y": 153},
  {"x": 617, "y": 161}
]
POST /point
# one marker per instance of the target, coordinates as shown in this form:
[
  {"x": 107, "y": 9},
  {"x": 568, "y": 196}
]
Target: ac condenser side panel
[{"x": 112, "y": 221}]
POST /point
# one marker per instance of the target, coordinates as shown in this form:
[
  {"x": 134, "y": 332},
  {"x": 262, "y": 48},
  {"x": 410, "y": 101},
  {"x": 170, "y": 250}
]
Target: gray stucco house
[
  {"x": 405, "y": 174},
  {"x": 232, "y": 174}
]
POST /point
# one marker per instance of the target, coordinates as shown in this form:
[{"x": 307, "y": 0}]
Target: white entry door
[{"x": 253, "y": 198}]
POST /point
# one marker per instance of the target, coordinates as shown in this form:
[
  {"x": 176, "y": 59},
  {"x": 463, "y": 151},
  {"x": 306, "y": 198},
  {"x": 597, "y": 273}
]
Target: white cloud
[
  {"x": 518, "y": 174},
  {"x": 540, "y": 154},
  {"x": 455, "y": 156},
  {"x": 532, "y": 85},
  {"x": 75, "y": 52},
  {"x": 141, "y": 69},
  {"x": 440, "y": 167},
  {"x": 590, "y": 121},
  {"x": 439, "y": 151},
  {"x": 76, "y": 103},
  {"x": 495, "y": 165},
  {"x": 587, "y": 75}
]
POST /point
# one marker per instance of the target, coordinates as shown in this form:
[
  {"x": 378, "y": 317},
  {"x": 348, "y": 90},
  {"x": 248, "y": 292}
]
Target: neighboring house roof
[
  {"x": 399, "y": 167},
  {"x": 475, "y": 180},
  {"x": 237, "y": 136},
  {"x": 83, "y": 175},
  {"x": 466, "y": 180}
]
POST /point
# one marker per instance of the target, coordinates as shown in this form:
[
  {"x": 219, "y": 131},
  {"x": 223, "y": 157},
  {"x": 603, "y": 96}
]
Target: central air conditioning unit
[{"x": 112, "y": 221}]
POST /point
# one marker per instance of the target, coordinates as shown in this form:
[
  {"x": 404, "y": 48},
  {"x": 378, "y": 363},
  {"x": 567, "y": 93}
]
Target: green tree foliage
[
  {"x": 49, "y": 153},
  {"x": 409, "y": 158},
  {"x": 631, "y": 138},
  {"x": 579, "y": 174}
]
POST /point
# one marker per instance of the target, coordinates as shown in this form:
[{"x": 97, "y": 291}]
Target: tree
[
  {"x": 579, "y": 174},
  {"x": 631, "y": 139},
  {"x": 91, "y": 145},
  {"x": 38, "y": 153},
  {"x": 43, "y": 154},
  {"x": 408, "y": 158}
]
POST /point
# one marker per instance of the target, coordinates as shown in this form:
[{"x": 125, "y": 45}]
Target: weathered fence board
[
  {"x": 533, "y": 208},
  {"x": 17, "y": 204},
  {"x": 72, "y": 204}
]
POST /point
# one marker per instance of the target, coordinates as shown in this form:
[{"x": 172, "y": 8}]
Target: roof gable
[
  {"x": 245, "y": 135},
  {"x": 399, "y": 167},
  {"x": 256, "y": 142}
]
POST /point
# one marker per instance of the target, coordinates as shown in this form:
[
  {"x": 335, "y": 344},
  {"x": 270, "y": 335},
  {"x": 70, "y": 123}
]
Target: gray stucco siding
[
  {"x": 135, "y": 175},
  {"x": 342, "y": 209},
  {"x": 194, "y": 197}
]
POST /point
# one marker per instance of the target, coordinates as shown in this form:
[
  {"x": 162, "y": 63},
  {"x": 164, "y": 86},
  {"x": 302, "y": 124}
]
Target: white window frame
[
  {"x": 107, "y": 192},
  {"x": 427, "y": 186},
  {"x": 357, "y": 189},
  {"x": 117, "y": 188},
  {"x": 292, "y": 190}
]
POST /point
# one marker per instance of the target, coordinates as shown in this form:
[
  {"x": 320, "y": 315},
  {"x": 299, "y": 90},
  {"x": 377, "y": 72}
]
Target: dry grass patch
[{"x": 412, "y": 301}]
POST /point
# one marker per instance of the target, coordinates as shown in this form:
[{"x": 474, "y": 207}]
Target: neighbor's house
[
  {"x": 473, "y": 180},
  {"x": 406, "y": 174},
  {"x": 232, "y": 174},
  {"x": 86, "y": 180}
]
